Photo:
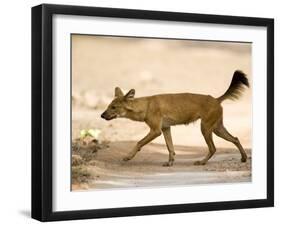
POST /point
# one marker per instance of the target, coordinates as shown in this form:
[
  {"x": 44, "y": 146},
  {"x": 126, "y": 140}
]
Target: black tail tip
[{"x": 240, "y": 76}]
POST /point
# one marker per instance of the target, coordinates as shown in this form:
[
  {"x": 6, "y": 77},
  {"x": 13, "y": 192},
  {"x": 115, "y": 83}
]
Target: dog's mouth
[
  {"x": 112, "y": 117},
  {"x": 109, "y": 117}
]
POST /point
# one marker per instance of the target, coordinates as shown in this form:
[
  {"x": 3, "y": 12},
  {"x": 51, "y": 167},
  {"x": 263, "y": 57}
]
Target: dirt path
[{"x": 107, "y": 170}]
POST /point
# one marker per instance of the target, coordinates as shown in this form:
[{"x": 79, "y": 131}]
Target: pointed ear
[
  {"x": 118, "y": 92},
  {"x": 130, "y": 94}
]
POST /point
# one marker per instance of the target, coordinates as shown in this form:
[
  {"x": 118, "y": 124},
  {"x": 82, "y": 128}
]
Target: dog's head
[{"x": 119, "y": 106}]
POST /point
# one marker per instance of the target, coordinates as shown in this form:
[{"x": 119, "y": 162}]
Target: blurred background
[{"x": 153, "y": 66}]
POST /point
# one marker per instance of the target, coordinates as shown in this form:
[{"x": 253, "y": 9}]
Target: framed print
[{"x": 140, "y": 112}]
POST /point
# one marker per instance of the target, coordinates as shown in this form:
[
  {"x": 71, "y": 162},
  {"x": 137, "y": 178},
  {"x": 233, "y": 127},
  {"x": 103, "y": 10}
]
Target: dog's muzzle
[{"x": 108, "y": 117}]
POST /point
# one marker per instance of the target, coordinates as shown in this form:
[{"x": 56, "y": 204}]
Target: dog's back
[{"x": 181, "y": 108}]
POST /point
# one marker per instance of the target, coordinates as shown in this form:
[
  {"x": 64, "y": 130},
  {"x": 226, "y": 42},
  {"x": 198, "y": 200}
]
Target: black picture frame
[{"x": 42, "y": 111}]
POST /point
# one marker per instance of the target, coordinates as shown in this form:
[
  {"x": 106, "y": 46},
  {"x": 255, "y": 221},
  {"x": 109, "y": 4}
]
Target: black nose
[{"x": 102, "y": 115}]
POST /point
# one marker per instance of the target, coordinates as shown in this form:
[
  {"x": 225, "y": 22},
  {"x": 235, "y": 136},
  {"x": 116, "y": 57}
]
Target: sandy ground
[
  {"x": 108, "y": 170},
  {"x": 151, "y": 67}
]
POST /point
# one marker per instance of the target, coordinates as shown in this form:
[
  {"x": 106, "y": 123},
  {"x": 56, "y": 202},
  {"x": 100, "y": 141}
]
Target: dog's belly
[{"x": 169, "y": 121}]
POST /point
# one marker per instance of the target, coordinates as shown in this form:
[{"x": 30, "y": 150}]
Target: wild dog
[{"x": 162, "y": 111}]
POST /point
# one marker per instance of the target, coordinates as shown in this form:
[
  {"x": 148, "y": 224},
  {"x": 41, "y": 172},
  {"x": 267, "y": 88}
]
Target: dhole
[{"x": 160, "y": 112}]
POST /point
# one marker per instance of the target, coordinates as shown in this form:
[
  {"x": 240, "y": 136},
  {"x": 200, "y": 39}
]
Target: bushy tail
[{"x": 237, "y": 85}]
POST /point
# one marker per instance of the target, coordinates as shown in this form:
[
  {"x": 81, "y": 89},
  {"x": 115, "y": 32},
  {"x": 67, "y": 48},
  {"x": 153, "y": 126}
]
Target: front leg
[
  {"x": 149, "y": 137},
  {"x": 169, "y": 143}
]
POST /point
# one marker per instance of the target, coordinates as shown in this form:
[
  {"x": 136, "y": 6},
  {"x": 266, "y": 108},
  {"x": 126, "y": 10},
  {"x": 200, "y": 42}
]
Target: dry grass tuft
[
  {"x": 83, "y": 155},
  {"x": 80, "y": 174}
]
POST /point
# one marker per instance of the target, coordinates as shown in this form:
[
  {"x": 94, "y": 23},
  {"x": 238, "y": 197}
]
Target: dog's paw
[
  {"x": 167, "y": 164},
  {"x": 199, "y": 163},
  {"x": 127, "y": 158}
]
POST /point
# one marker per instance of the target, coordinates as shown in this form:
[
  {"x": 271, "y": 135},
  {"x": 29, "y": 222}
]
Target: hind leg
[
  {"x": 221, "y": 131},
  {"x": 206, "y": 130}
]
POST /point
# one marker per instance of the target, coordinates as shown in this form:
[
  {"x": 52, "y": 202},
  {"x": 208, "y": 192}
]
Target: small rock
[{"x": 76, "y": 160}]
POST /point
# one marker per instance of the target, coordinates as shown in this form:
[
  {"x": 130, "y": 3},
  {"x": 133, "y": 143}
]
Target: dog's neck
[{"x": 136, "y": 109}]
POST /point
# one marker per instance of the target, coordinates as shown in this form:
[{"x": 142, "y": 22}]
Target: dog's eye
[{"x": 113, "y": 107}]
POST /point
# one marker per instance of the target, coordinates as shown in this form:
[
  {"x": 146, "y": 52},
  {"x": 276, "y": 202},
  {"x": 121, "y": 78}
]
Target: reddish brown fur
[{"x": 160, "y": 112}]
